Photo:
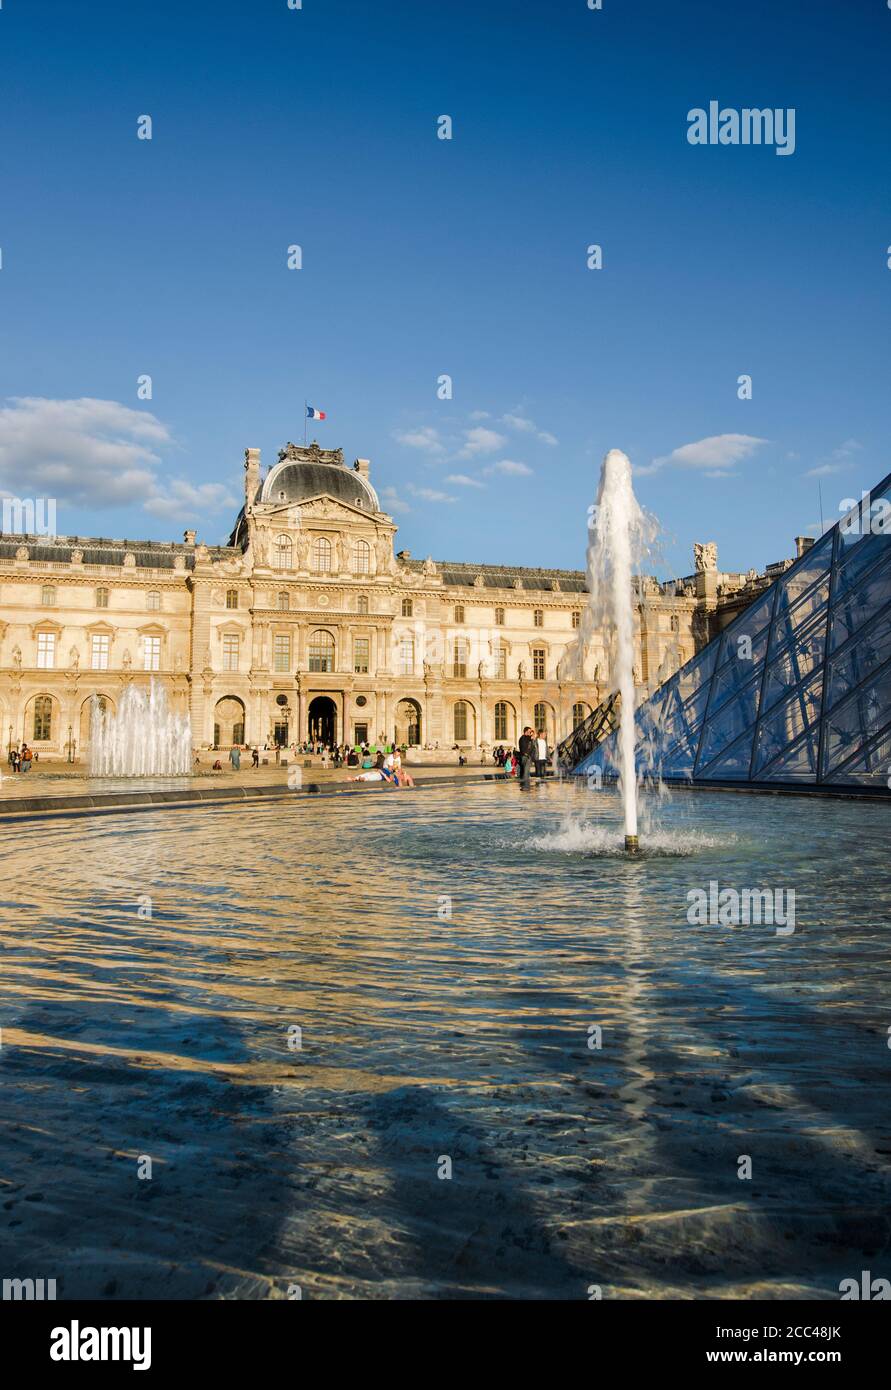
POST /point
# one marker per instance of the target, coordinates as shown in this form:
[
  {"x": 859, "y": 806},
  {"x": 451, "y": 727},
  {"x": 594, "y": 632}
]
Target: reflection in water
[{"x": 154, "y": 964}]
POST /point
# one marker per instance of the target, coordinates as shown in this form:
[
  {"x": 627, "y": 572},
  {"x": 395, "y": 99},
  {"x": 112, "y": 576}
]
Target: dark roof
[
  {"x": 458, "y": 572},
  {"x": 98, "y": 550},
  {"x": 299, "y": 480}
]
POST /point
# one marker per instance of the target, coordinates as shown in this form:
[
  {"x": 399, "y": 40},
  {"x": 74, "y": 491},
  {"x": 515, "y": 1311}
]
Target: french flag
[{"x": 313, "y": 414}]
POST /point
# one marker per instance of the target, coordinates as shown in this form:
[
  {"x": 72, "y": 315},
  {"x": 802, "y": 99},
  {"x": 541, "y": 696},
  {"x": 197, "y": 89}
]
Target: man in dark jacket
[{"x": 526, "y": 749}]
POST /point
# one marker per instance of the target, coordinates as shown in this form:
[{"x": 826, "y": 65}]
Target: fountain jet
[
  {"x": 619, "y": 531},
  {"x": 144, "y": 739}
]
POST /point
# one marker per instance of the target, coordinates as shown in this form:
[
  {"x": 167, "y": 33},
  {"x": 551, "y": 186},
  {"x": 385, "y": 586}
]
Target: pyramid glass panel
[
  {"x": 856, "y": 606},
  {"x": 730, "y": 721},
  {"x": 858, "y": 660},
  {"x": 787, "y": 722},
  {"x": 811, "y": 705},
  {"x": 795, "y": 663},
  {"x": 733, "y": 763}
]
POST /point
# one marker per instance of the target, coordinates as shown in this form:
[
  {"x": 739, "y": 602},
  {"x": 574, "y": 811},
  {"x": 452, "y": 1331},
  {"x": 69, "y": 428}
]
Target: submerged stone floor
[{"x": 445, "y": 1128}]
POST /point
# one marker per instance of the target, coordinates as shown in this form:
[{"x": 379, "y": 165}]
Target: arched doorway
[
  {"x": 408, "y": 722},
  {"x": 322, "y": 717},
  {"x": 106, "y": 705},
  {"x": 228, "y": 722}
]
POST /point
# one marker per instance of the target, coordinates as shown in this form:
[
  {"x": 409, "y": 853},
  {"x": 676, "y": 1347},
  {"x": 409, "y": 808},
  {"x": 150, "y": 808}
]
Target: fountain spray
[{"x": 619, "y": 531}]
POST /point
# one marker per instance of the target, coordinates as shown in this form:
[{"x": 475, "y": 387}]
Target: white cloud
[
  {"x": 839, "y": 460},
  {"x": 714, "y": 455},
  {"x": 96, "y": 454},
  {"x": 479, "y": 415},
  {"x": 510, "y": 467},
  {"x": 480, "y": 440},
  {"x": 182, "y": 499},
  {"x": 462, "y": 480},
  {"x": 392, "y": 502},
  {"x": 430, "y": 494},
  {"x": 527, "y": 426},
  {"x": 426, "y": 438}
]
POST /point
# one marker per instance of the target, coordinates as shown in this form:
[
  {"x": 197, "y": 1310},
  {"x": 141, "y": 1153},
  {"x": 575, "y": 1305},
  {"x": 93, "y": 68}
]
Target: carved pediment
[{"x": 327, "y": 508}]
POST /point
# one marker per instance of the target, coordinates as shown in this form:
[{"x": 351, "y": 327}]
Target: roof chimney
[
  {"x": 362, "y": 466},
  {"x": 802, "y": 545},
  {"x": 189, "y": 537}
]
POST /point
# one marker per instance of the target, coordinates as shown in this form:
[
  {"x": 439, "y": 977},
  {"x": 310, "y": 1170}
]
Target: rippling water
[{"x": 445, "y": 954}]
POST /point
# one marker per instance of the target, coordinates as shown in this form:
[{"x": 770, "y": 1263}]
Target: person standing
[
  {"x": 527, "y": 752},
  {"x": 235, "y": 758},
  {"x": 26, "y": 758},
  {"x": 255, "y": 757},
  {"x": 541, "y": 754}
]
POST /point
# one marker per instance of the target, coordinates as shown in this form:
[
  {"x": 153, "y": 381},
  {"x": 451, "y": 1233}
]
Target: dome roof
[{"x": 308, "y": 471}]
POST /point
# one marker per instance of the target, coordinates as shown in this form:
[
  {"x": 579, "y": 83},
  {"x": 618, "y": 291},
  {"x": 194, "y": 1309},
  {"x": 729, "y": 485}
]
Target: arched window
[
  {"x": 362, "y": 603},
  {"x": 153, "y": 600},
  {"x": 407, "y": 608},
  {"x": 43, "y": 718},
  {"x": 231, "y": 598},
  {"x": 321, "y": 651},
  {"x": 501, "y": 721},
  {"x": 540, "y": 717},
  {"x": 284, "y": 601},
  {"x": 461, "y": 722},
  {"x": 284, "y": 553},
  {"x": 579, "y": 715},
  {"x": 48, "y": 596},
  {"x": 361, "y": 557},
  {"x": 101, "y": 598},
  {"x": 321, "y": 555}
]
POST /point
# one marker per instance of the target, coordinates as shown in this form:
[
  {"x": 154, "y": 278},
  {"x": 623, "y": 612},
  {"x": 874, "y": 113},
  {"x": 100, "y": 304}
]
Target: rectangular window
[
  {"x": 459, "y": 664},
  {"x": 538, "y": 663},
  {"x": 500, "y": 663},
  {"x": 499, "y": 617},
  {"x": 459, "y": 613},
  {"x": 230, "y": 651},
  {"x": 99, "y": 652},
  {"x": 361, "y": 650},
  {"x": 231, "y": 598},
  {"x": 281, "y": 652},
  {"x": 539, "y": 617},
  {"x": 46, "y": 651},
  {"x": 152, "y": 653},
  {"x": 576, "y": 618},
  {"x": 407, "y": 656},
  {"x": 101, "y": 598}
]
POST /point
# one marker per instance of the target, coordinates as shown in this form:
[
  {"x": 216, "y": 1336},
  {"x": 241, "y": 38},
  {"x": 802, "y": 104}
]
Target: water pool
[{"x": 447, "y": 956}]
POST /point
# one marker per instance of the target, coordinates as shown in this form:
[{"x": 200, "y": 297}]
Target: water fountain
[
  {"x": 619, "y": 534},
  {"x": 144, "y": 739}
]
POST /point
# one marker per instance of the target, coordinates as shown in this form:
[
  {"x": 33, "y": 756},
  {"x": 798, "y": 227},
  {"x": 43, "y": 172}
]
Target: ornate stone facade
[{"x": 308, "y": 622}]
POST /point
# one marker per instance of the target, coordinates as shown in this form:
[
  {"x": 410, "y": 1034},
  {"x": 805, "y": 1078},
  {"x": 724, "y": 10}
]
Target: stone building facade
[{"x": 310, "y": 623}]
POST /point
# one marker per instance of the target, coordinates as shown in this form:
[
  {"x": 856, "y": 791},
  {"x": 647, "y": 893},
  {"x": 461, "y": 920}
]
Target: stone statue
[
  {"x": 343, "y": 554},
  {"x": 383, "y": 550},
  {"x": 429, "y": 566},
  {"x": 75, "y": 659},
  {"x": 705, "y": 556},
  {"x": 521, "y": 671},
  {"x": 17, "y": 658},
  {"x": 126, "y": 661},
  {"x": 261, "y": 545},
  {"x": 479, "y": 582},
  {"x": 303, "y": 544}
]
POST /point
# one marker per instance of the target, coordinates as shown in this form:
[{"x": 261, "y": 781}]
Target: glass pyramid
[{"x": 797, "y": 688}]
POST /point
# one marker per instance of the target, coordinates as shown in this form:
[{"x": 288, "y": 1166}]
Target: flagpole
[{"x": 304, "y": 423}]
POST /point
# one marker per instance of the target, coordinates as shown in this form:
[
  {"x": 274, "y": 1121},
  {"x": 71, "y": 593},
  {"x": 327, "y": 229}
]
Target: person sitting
[{"x": 217, "y": 767}]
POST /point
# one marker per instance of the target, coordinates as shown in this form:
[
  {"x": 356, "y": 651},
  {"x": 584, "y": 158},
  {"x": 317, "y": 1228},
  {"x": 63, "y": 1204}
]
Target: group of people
[
  {"x": 385, "y": 767},
  {"x": 531, "y": 751},
  {"x": 20, "y": 759}
]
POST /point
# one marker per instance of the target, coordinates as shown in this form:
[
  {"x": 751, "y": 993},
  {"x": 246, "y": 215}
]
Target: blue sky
[{"x": 468, "y": 257}]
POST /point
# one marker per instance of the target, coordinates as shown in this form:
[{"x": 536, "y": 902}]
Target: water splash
[
  {"x": 144, "y": 739},
  {"x": 620, "y": 535}
]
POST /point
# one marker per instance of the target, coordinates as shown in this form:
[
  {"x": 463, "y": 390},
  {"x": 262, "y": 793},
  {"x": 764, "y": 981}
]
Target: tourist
[
  {"x": 217, "y": 767},
  {"x": 541, "y": 754},
  {"x": 16, "y": 760},
  {"x": 255, "y": 757},
  {"x": 326, "y": 757},
  {"x": 374, "y": 774},
  {"x": 26, "y": 758},
  {"x": 527, "y": 754},
  {"x": 401, "y": 775},
  {"x": 235, "y": 758}
]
